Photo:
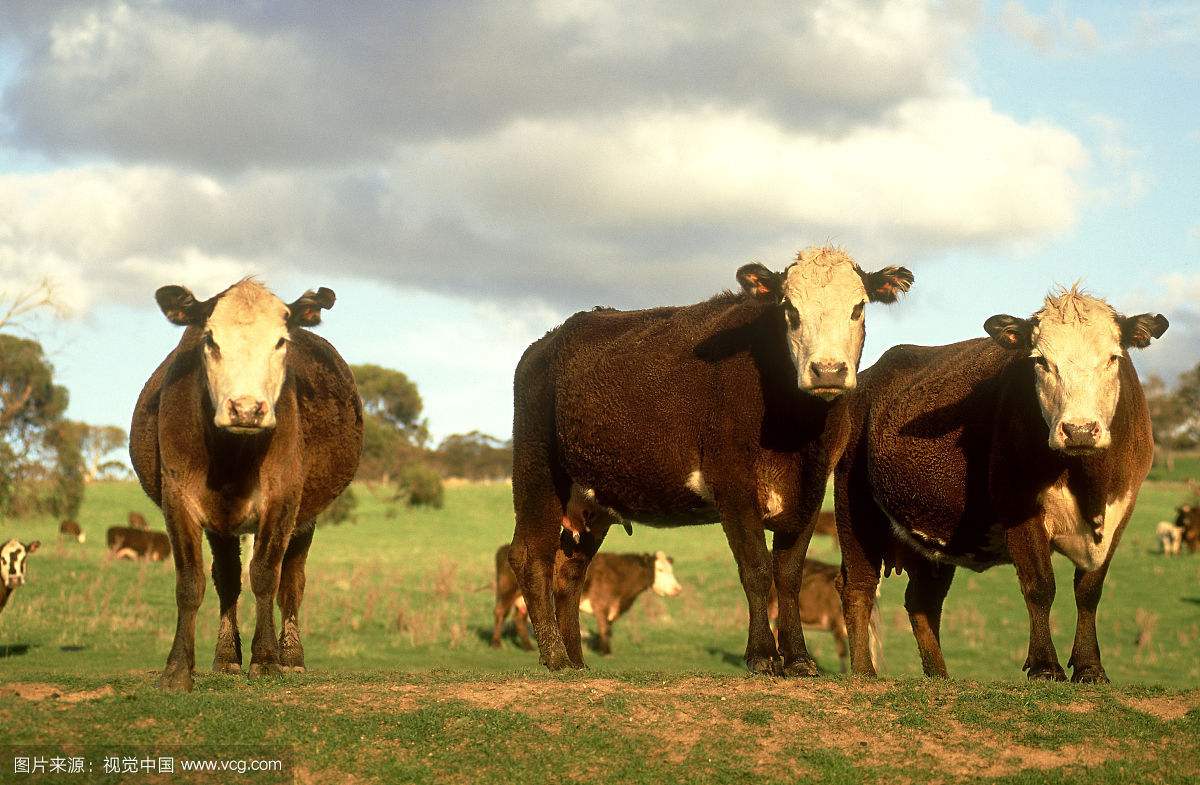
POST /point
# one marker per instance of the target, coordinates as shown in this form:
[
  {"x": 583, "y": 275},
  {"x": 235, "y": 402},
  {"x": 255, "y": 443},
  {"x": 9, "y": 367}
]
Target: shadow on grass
[
  {"x": 728, "y": 657},
  {"x": 14, "y": 649},
  {"x": 510, "y": 635},
  {"x": 1192, "y": 600},
  {"x": 72, "y": 648}
]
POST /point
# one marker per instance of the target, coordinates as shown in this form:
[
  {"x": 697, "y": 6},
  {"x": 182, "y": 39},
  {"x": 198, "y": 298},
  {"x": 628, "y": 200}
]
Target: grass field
[{"x": 402, "y": 686}]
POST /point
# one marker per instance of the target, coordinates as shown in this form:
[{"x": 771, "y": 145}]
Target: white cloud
[
  {"x": 1055, "y": 32},
  {"x": 1122, "y": 169}
]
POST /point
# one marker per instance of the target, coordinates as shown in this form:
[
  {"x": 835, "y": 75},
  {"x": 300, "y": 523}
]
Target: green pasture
[{"x": 402, "y": 685}]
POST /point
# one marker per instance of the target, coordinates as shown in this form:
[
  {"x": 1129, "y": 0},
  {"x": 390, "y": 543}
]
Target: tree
[
  {"x": 475, "y": 456},
  {"x": 1166, "y": 417},
  {"x": 97, "y": 444},
  {"x": 1187, "y": 401},
  {"x": 393, "y": 398},
  {"x": 40, "y": 462},
  {"x": 17, "y": 305}
]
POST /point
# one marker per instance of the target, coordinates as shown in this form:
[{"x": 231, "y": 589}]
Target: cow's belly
[{"x": 1072, "y": 535}]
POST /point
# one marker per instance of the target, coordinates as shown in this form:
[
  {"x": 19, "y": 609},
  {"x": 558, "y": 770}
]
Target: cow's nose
[
  {"x": 828, "y": 374},
  {"x": 247, "y": 411},
  {"x": 1081, "y": 434}
]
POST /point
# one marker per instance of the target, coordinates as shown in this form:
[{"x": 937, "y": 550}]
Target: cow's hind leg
[
  {"x": 861, "y": 527},
  {"x": 521, "y": 621},
  {"x": 788, "y": 553},
  {"x": 291, "y": 595},
  {"x": 227, "y": 578},
  {"x": 749, "y": 545},
  {"x": 928, "y": 584},
  {"x": 189, "y": 592},
  {"x": 500, "y": 612},
  {"x": 1030, "y": 551},
  {"x": 570, "y": 570}
]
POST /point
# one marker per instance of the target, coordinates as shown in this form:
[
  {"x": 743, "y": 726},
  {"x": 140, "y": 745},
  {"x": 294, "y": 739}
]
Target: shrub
[
  {"x": 340, "y": 510},
  {"x": 418, "y": 484}
]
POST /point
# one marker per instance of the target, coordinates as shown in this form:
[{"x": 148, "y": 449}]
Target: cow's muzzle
[
  {"x": 1081, "y": 437},
  {"x": 246, "y": 415}
]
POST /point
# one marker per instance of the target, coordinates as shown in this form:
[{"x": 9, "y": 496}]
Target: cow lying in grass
[
  {"x": 12, "y": 566},
  {"x": 821, "y": 609},
  {"x": 992, "y": 451},
  {"x": 613, "y": 582},
  {"x": 126, "y": 542}
]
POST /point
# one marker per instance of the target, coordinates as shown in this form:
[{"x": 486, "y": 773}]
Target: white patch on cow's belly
[
  {"x": 696, "y": 484},
  {"x": 585, "y": 606},
  {"x": 774, "y": 503},
  {"x": 1071, "y": 535}
]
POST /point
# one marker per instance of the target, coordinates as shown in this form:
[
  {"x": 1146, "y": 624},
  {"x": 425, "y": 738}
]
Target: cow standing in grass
[
  {"x": 251, "y": 425},
  {"x": 12, "y": 566},
  {"x": 676, "y": 416},
  {"x": 995, "y": 451}
]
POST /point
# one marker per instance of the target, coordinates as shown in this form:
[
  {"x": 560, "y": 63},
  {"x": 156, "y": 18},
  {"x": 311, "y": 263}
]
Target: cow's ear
[
  {"x": 885, "y": 286},
  {"x": 306, "y": 312},
  {"x": 33, "y": 546},
  {"x": 1011, "y": 332},
  {"x": 180, "y": 306},
  {"x": 1141, "y": 329},
  {"x": 760, "y": 283}
]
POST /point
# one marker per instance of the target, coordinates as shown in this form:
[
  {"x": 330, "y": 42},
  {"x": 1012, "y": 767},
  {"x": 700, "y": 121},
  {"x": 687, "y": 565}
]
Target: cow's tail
[
  {"x": 82, "y": 537},
  {"x": 873, "y": 642}
]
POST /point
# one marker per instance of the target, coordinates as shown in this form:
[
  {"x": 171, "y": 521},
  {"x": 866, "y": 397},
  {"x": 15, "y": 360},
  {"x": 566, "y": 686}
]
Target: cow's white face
[
  {"x": 665, "y": 584},
  {"x": 12, "y": 561},
  {"x": 245, "y": 350},
  {"x": 1077, "y": 343},
  {"x": 823, "y": 296},
  {"x": 247, "y": 330}
]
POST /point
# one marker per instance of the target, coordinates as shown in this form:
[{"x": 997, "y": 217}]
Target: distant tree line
[{"x": 1175, "y": 415}]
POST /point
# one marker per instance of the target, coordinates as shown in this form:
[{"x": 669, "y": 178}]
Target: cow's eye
[
  {"x": 282, "y": 343},
  {"x": 856, "y": 314}
]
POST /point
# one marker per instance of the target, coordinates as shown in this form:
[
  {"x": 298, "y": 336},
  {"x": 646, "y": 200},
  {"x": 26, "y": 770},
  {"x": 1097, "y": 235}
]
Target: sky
[{"x": 465, "y": 175}]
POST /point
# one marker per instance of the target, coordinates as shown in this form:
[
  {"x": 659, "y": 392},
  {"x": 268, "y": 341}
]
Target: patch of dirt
[
  {"x": 1167, "y": 708},
  {"x": 35, "y": 691}
]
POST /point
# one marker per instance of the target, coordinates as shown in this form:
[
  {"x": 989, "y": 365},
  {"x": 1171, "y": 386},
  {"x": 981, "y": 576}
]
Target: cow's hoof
[
  {"x": 1090, "y": 675},
  {"x": 176, "y": 679},
  {"x": 803, "y": 668},
  {"x": 262, "y": 670},
  {"x": 1052, "y": 672},
  {"x": 231, "y": 668},
  {"x": 764, "y": 666}
]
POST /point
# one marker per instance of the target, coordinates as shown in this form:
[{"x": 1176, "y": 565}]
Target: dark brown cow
[
  {"x": 71, "y": 529},
  {"x": 138, "y": 521},
  {"x": 251, "y": 425},
  {"x": 126, "y": 542},
  {"x": 1187, "y": 519},
  {"x": 13, "y": 555},
  {"x": 821, "y": 608},
  {"x": 683, "y": 415},
  {"x": 614, "y": 581},
  {"x": 995, "y": 451}
]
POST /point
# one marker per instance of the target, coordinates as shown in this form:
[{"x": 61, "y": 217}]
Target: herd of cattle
[{"x": 1000, "y": 449}]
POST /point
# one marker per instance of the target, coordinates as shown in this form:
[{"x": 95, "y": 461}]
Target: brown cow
[
  {"x": 613, "y": 582},
  {"x": 251, "y": 425},
  {"x": 71, "y": 529},
  {"x": 12, "y": 566},
  {"x": 676, "y": 416},
  {"x": 821, "y": 608},
  {"x": 138, "y": 521},
  {"x": 1187, "y": 519},
  {"x": 995, "y": 451},
  {"x": 126, "y": 542}
]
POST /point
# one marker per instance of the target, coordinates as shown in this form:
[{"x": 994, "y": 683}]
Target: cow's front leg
[
  {"x": 189, "y": 592},
  {"x": 291, "y": 594},
  {"x": 270, "y": 545},
  {"x": 1085, "y": 654},
  {"x": 749, "y": 545},
  {"x": 789, "y": 550},
  {"x": 1030, "y": 550},
  {"x": 227, "y": 578}
]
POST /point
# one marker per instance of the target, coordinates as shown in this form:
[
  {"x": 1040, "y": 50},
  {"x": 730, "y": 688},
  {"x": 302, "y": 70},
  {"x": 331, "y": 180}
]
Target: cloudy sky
[{"x": 466, "y": 174}]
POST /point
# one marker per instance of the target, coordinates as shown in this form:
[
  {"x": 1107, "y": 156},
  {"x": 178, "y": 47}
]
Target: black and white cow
[{"x": 12, "y": 566}]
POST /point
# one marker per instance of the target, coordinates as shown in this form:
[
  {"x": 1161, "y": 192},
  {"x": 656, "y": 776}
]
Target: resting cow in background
[
  {"x": 71, "y": 530},
  {"x": 613, "y": 582},
  {"x": 12, "y": 566},
  {"x": 251, "y": 425},
  {"x": 995, "y": 451},
  {"x": 821, "y": 609},
  {"x": 125, "y": 542},
  {"x": 682, "y": 415}
]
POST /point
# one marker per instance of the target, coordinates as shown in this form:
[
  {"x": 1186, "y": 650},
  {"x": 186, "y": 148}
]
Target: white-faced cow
[
  {"x": 995, "y": 451},
  {"x": 12, "y": 566},
  {"x": 674, "y": 416},
  {"x": 251, "y": 425}
]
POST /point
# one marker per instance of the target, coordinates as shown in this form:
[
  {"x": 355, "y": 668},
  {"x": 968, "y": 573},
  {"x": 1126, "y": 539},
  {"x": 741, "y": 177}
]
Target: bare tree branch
[{"x": 17, "y": 306}]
